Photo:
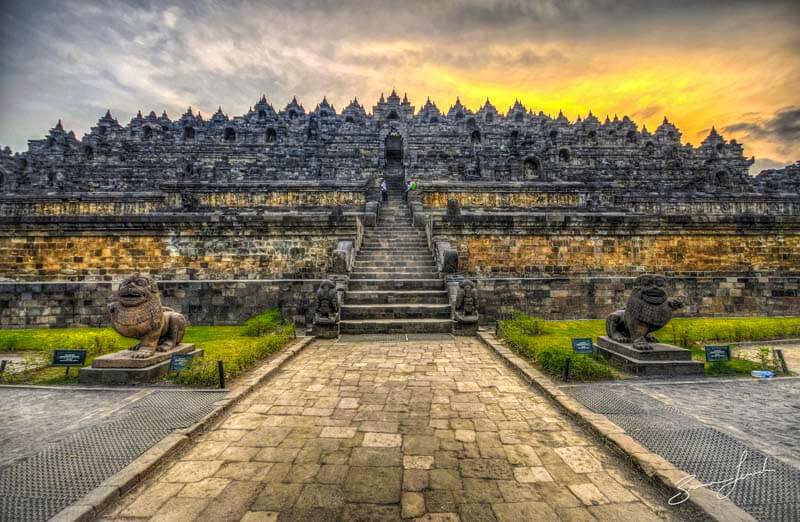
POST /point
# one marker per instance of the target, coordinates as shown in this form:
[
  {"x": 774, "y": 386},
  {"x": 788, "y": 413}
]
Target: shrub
[
  {"x": 527, "y": 324},
  {"x": 239, "y": 355},
  {"x": 548, "y": 345},
  {"x": 262, "y": 324},
  {"x": 689, "y": 332}
]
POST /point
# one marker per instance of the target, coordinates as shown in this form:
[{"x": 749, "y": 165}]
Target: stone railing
[
  {"x": 707, "y": 204},
  {"x": 359, "y": 233},
  {"x": 446, "y": 256},
  {"x": 371, "y": 210},
  {"x": 343, "y": 256},
  {"x": 129, "y": 203}
]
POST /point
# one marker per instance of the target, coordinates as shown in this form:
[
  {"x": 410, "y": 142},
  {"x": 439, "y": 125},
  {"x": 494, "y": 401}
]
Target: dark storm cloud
[{"x": 783, "y": 127}]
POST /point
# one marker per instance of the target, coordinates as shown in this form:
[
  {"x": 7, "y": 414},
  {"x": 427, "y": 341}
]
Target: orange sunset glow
[{"x": 733, "y": 65}]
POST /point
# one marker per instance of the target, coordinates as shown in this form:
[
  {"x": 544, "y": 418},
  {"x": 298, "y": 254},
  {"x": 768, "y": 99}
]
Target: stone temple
[{"x": 237, "y": 214}]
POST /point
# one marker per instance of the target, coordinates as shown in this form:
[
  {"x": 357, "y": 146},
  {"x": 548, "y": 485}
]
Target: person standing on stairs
[
  {"x": 410, "y": 185},
  {"x": 384, "y": 190}
]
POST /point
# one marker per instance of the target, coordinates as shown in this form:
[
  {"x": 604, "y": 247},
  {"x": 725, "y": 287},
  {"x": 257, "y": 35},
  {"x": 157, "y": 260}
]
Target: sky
[{"x": 730, "y": 64}]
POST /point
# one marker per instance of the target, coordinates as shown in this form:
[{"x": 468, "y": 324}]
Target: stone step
[
  {"x": 396, "y": 266},
  {"x": 396, "y": 326},
  {"x": 378, "y": 258},
  {"x": 374, "y": 243},
  {"x": 395, "y": 311},
  {"x": 392, "y": 284},
  {"x": 392, "y": 275},
  {"x": 395, "y": 251},
  {"x": 396, "y": 297},
  {"x": 380, "y": 250},
  {"x": 429, "y": 270}
]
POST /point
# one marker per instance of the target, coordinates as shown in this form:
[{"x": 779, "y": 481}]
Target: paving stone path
[{"x": 426, "y": 430}]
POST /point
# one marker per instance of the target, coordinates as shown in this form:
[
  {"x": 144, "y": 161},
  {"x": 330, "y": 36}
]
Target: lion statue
[
  {"x": 327, "y": 303},
  {"x": 648, "y": 309},
  {"x": 466, "y": 304},
  {"x": 138, "y": 314}
]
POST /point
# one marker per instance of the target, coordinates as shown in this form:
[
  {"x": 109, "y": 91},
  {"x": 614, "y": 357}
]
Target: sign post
[
  {"x": 68, "y": 359},
  {"x": 582, "y": 345},
  {"x": 717, "y": 353},
  {"x": 180, "y": 361}
]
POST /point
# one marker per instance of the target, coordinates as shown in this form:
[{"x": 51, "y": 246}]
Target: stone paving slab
[{"x": 426, "y": 430}]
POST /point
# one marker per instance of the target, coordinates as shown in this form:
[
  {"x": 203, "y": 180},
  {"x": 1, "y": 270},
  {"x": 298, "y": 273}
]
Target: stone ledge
[
  {"x": 651, "y": 464},
  {"x": 93, "y": 503}
]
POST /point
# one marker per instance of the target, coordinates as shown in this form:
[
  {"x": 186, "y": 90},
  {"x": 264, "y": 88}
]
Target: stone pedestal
[
  {"x": 121, "y": 368},
  {"x": 662, "y": 359},
  {"x": 465, "y": 328},
  {"x": 325, "y": 330}
]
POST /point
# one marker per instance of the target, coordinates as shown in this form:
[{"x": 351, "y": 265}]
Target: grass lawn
[
  {"x": 240, "y": 347},
  {"x": 548, "y": 345}
]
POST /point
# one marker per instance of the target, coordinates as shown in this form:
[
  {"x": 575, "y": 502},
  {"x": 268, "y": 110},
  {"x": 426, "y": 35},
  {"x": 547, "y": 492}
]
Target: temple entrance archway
[{"x": 394, "y": 150}]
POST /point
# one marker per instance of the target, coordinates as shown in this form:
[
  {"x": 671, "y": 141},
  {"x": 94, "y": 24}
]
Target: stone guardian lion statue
[
  {"x": 648, "y": 309},
  {"x": 138, "y": 314}
]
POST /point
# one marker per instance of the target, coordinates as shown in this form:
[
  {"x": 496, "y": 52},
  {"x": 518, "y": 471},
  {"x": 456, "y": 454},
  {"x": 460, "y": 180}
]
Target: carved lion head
[
  {"x": 650, "y": 289},
  {"x": 137, "y": 289}
]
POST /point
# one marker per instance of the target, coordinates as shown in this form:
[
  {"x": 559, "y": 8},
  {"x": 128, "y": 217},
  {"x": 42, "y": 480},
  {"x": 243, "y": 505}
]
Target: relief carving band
[
  {"x": 138, "y": 314},
  {"x": 648, "y": 309}
]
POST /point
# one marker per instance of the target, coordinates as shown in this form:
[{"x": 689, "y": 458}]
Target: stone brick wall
[
  {"x": 621, "y": 244},
  {"x": 596, "y": 297},
  {"x": 181, "y": 246},
  {"x": 224, "y": 302}
]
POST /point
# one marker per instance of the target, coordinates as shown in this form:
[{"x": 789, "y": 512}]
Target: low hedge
[
  {"x": 237, "y": 355},
  {"x": 547, "y": 343},
  {"x": 549, "y": 350}
]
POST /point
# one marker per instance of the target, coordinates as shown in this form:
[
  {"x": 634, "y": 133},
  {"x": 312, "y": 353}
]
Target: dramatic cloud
[
  {"x": 724, "y": 63},
  {"x": 783, "y": 128}
]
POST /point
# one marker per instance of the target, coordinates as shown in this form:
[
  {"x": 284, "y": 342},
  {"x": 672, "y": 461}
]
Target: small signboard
[
  {"x": 69, "y": 358},
  {"x": 718, "y": 353},
  {"x": 582, "y": 345},
  {"x": 180, "y": 361}
]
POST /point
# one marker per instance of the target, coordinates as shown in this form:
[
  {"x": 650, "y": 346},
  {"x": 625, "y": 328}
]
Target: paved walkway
[{"x": 436, "y": 429}]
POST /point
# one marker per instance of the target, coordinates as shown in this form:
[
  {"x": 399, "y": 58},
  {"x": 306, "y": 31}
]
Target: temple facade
[
  {"x": 459, "y": 145},
  {"x": 236, "y": 214}
]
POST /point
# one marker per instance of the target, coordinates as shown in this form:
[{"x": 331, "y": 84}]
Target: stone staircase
[{"x": 394, "y": 284}]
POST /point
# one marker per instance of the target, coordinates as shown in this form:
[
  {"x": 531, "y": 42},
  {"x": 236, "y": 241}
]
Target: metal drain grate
[
  {"x": 40, "y": 486},
  {"x": 704, "y": 452},
  {"x": 604, "y": 401}
]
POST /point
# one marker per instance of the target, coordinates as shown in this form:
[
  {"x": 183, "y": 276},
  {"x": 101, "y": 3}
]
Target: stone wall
[
  {"x": 596, "y": 297},
  {"x": 222, "y": 302},
  {"x": 620, "y": 244},
  {"x": 63, "y": 304},
  {"x": 178, "y": 246}
]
